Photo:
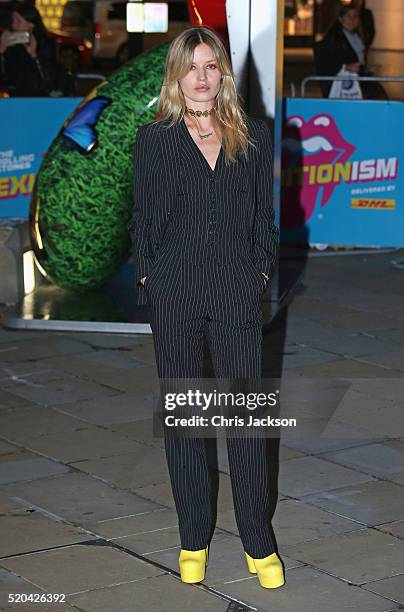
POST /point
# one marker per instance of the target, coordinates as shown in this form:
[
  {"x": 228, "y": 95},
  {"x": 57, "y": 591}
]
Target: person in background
[
  {"x": 343, "y": 47},
  {"x": 29, "y": 60}
]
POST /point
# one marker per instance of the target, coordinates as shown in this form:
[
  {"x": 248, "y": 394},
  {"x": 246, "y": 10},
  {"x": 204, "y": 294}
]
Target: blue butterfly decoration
[{"x": 81, "y": 129}]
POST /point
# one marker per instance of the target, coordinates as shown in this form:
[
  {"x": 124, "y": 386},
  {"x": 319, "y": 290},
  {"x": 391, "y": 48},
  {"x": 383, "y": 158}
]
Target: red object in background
[
  {"x": 211, "y": 13},
  {"x": 75, "y": 50}
]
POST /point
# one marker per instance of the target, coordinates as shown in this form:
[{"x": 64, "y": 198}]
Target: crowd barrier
[{"x": 342, "y": 183}]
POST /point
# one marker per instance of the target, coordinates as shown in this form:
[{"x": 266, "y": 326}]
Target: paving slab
[
  {"x": 48, "y": 386},
  {"x": 9, "y": 504},
  {"x": 297, "y": 355},
  {"x": 76, "y": 568},
  {"x": 391, "y": 358},
  {"x": 294, "y": 522},
  {"x": 29, "y": 469},
  {"x": 143, "y": 522},
  {"x": 18, "y": 335},
  {"x": 8, "y": 449},
  {"x": 26, "y": 530},
  {"x": 107, "y": 358},
  {"x": 335, "y": 435},
  {"x": 307, "y": 475},
  {"x": 160, "y": 494},
  {"x": 42, "y": 347},
  {"x": 158, "y": 593},
  {"x": 22, "y": 424},
  {"x": 122, "y": 371},
  {"x": 9, "y": 400},
  {"x": 308, "y": 589},
  {"x": 371, "y": 503},
  {"x": 142, "y": 466},
  {"x": 386, "y": 388},
  {"x": 121, "y": 408},
  {"x": 11, "y": 452},
  {"x": 395, "y": 335},
  {"x": 337, "y": 341},
  {"x": 346, "y": 368},
  {"x": 140, "y": 430},
  {"x": 78, "y": 498},
  {"x": 381, "y": 416},
  {"x": 339, "y": 316},
  {"x": 389, "y": 587},
  {"x": 358, "y": 298},
  {"x": 359, "y": 556},
  {"x": 102, "y": 340},
  {"x": 89, "y": 442},
  {"x": 12, "y": 583},
  {"x": 395, "y": 528},
  {"x": 382, "y": 460},
  {"x": 286, "y": 453}
]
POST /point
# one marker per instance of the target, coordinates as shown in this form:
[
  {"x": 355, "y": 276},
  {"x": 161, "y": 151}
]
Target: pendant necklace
[{"x": 199, "y": 113}]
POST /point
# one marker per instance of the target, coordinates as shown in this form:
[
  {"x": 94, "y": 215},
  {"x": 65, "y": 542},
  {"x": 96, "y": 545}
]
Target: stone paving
[{"x": 85, "y": 500}]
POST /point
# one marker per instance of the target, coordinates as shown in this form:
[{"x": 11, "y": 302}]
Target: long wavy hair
[{"x": 229, "y": 114}]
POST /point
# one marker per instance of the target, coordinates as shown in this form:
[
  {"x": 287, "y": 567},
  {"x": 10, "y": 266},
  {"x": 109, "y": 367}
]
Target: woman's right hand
[
  {"x": 142, "y": 280},
  {"x": 355, "y": 67}
]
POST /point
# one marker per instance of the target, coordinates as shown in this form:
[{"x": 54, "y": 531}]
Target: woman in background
[
  {"x": 30, "y": 68},
  {"x": 343, "y": 48}
]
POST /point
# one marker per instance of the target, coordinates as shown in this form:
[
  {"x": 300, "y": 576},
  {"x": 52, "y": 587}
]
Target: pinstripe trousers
[
  {"x": 234, "y": 339},
  {"x": 204, "y": 284}
]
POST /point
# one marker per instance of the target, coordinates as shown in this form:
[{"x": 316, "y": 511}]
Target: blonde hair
[{"x": 228, "y": 112}]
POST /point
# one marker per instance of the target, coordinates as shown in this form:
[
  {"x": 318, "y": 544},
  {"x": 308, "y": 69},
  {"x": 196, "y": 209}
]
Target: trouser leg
[
  {"x": 236, "y": 354},
  {"x": 179, "y": 354}
]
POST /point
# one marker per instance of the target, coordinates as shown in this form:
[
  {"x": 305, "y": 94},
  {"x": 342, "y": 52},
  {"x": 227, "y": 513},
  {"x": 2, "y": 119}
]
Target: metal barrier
[
  {"x": 83, "y": 75},
  {"x": 393, "y": 79},
  {"x": 292, "y": 86}
]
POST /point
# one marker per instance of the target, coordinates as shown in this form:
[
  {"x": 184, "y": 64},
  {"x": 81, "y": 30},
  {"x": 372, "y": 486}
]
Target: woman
[
  {"x": 343, "y": 47},
  {"x": 30, "y": 68},
  {"x": 205, "y": 247}
]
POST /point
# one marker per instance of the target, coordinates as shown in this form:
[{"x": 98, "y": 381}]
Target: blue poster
[
  {"x": 341, "y": 178},
  {"x": 27, "y": 127}
]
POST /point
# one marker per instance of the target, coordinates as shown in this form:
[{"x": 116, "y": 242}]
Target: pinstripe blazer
[{"x": 157, "y": 183}]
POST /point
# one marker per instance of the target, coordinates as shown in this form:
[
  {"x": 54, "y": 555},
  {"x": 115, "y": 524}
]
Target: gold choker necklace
[{"x": 199, "y": 113}]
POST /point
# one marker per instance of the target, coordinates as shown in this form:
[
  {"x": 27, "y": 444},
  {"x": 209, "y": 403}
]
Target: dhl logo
[
  {"x": 13, "y": 186},
  {"x": 373, "y": 203}
]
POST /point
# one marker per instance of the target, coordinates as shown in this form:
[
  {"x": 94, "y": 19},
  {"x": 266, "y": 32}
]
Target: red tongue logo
[{"x": 307, "y": 146}]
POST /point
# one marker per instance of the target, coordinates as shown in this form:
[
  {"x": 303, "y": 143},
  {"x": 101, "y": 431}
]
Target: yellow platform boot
[
  {"x": 193, "y": 564},
  {"x": 269, "y": 570}
]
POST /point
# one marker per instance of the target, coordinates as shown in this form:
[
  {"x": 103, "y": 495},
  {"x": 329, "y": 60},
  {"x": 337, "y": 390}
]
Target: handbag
[{"x": 348, "y": 90}]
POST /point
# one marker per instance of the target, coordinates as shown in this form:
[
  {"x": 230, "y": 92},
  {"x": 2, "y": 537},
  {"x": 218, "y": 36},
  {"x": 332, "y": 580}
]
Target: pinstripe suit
[{"x": 202, "y": 237}]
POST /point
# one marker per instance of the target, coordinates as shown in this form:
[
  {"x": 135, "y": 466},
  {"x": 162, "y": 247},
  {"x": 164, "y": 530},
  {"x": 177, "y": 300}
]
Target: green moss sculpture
[{"x": 82, "y": 202}]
